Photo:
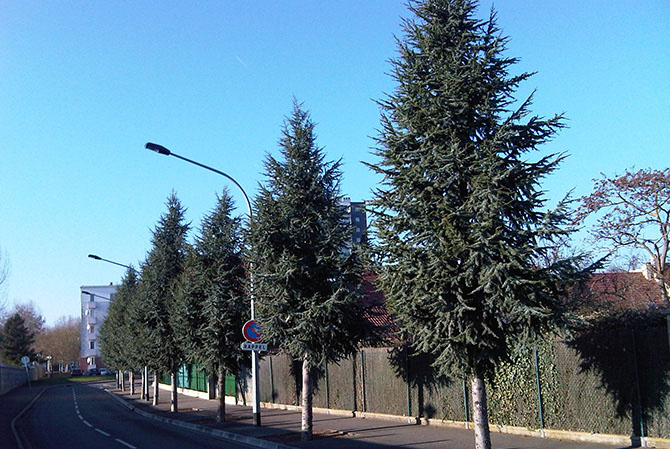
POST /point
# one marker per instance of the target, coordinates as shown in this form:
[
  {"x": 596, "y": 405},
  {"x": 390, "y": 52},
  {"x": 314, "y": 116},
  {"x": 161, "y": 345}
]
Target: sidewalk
[{"x": 335, "y": 431}]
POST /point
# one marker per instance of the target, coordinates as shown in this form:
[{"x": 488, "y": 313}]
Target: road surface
[{"x": 82, "y": 417}]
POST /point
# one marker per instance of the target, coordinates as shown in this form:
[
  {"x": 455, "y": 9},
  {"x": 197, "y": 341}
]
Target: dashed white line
[
  {"x": 101, "y": 431},
  {"x": 128, "y": 445}
]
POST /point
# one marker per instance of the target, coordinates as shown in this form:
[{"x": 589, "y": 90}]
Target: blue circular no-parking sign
[{"x": 252, "y": 331}]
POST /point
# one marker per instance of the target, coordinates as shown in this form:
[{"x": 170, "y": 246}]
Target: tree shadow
[
  {"x": 629, "y": 352},
  {"x": 417, "y": 369}
]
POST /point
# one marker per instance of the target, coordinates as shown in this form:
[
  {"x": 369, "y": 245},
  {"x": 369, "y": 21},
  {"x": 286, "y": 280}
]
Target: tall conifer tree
[
  {"x": 117, "y": 343},
  {"x": 160, "y": 275},
  {"x": 305, "y": 282},
  {"x": 459, "y": 215},
  {"x": 212, "y": 301}
]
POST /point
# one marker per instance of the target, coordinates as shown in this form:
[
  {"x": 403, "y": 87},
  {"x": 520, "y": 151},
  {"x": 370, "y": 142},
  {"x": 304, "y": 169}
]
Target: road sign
[
  {"x": 252, "y": 331},
  {"x": 25, "y": 360},
  {"x": 248, "y": 346}
]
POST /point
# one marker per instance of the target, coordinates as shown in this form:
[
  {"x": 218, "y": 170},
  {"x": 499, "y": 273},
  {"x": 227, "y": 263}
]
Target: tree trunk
[
  {"x": 131, "y": 379},
  {"x": 481, "y": 413},
  {"x": 143, "y": 390},
  {"x": 155, "y": 401},
  {"x": 221, "y": 381},
  {"x": 174, "y": 406},
  {"x": 146, "y": 383},
  {"x": 306, "y": 431}
]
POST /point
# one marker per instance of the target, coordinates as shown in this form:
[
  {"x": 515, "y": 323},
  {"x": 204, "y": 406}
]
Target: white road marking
[
  {"x": 76, "y": 407},
  {"x": 102, "y": 432},
  {"x": 128, "y": 445}
]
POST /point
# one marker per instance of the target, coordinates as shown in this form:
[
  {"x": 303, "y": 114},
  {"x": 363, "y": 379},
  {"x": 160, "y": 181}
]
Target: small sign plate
[
  {"x": 25, "y": 360},
  {"x": 247, "y": 346}
]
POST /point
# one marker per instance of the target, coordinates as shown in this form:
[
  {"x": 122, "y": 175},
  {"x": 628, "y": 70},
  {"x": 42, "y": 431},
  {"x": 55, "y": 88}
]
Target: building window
[
  {"x": 91, "y": 328},
  {"x": 358, "y": 229},
  {"x": 91, "y": 344},
  {"x": 91, "y": 297},
  {"x": 90, "y": 312},
  {"x": 357, "y": 219}
]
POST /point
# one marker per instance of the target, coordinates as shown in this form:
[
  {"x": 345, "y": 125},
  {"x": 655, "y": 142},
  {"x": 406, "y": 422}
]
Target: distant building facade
[
  {"x": 95, "y": 300},
  {"x": 355, "y": 216}
]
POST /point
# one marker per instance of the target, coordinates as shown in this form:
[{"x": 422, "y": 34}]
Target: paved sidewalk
[{"x": 334, "y": 431}]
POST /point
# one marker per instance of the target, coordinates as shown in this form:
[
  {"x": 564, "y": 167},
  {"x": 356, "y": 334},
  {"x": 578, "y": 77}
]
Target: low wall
[{"x": 12, "y": 377}]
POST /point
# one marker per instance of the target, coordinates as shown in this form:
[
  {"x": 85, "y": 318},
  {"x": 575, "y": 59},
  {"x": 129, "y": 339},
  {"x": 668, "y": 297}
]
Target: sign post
[
  {"x": 24, "y": 361},
  {"x": 252, "y": 332}
]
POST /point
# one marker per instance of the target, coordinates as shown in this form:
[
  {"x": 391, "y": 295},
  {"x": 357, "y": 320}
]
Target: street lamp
[
  {"x": 160, "y": 149},
  {"x": 93, "y": 256},
  {"x": 104, "y": 298}
]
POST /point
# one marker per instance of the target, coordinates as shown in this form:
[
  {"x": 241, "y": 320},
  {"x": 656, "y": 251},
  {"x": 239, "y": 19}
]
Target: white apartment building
[{"x": 95, "y": 300}]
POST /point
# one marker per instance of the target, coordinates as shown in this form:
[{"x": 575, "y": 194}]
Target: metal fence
[
  {"x": 614, "y": 382},
  {"x": 196, "y": 377}
]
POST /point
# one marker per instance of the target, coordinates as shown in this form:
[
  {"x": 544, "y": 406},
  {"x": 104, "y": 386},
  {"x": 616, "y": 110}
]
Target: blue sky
[{"x": 83, "y": 85}]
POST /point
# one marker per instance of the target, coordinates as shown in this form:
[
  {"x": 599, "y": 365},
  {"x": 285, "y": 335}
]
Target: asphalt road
[{"x": 84, "y": 417}]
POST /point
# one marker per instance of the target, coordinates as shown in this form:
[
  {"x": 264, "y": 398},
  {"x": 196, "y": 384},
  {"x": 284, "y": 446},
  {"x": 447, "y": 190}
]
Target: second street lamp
[{"x": 160, "y": 149}]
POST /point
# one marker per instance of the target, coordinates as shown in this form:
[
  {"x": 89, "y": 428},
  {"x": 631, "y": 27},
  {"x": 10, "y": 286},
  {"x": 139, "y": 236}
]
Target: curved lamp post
[
  {"x": 160, "y": 149},
  {"x": 93, "y": 256}
]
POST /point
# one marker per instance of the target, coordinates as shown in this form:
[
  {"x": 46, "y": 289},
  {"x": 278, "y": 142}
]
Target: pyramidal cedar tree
[
  {"x": 459, "y": 216},
  {"x": 306, "y": 283}
]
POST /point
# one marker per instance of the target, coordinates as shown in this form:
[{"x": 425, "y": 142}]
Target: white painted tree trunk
[
  {"x": 143, "y": 390},
  {"x": 155, "y": 400},
  {"x": 221, "y": 383},
  {"x": 131, "y": 380},
  {"x": 306, "y": 433},
  {"x": 123, "y": 380},
  {"x": 174, "y": 406},
  {"x": 481, "y": 414}
]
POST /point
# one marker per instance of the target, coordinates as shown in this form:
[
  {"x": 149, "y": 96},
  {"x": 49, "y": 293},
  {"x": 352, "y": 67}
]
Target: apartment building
[
  {"x": 95, "y": 300},
  {"x": 356, "y": 217}
]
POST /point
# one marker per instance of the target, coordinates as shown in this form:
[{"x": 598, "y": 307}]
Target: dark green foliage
[
  {"x": 306, "y": 285},
  {"x": 117, "y": 343},
  {"x": 212, "y": 302},
  {"x": 459, "y": 216},
  {"x": 17, "y": 340},
  {"x": 160, "y": 274}
]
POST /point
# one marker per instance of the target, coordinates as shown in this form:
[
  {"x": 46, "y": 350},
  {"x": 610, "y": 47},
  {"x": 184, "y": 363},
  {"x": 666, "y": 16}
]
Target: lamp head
[
  {"x": 160, "y": 149},
  {"x": 93, "y": 256}
]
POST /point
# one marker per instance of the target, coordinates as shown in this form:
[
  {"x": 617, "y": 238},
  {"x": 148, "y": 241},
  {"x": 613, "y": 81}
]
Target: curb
[{"x": 250, "y": 441}]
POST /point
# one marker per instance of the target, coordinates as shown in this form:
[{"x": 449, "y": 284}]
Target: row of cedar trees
[{"x": 459, "y": 219}]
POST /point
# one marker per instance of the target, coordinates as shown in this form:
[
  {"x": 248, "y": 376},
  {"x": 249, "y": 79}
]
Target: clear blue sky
[{"x": 83, "y": 85}]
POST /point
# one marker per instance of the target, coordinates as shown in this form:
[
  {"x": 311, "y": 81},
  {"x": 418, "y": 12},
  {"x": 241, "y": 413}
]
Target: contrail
[{"x": 241, "y": 62}]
